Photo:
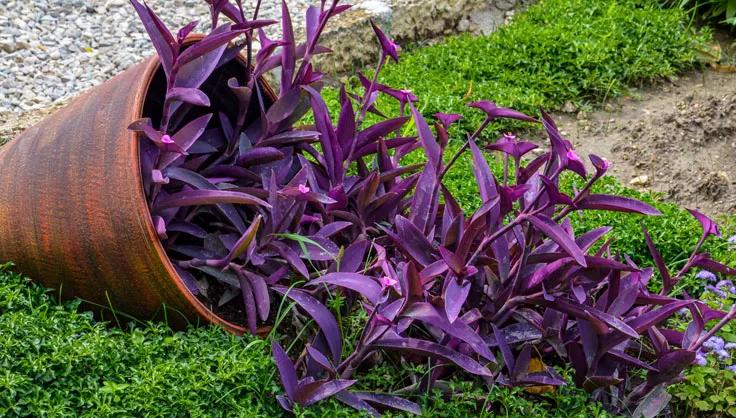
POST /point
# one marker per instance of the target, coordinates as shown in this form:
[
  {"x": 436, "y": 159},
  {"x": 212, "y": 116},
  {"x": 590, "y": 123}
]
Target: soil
[{"x": 676, "y": 138}]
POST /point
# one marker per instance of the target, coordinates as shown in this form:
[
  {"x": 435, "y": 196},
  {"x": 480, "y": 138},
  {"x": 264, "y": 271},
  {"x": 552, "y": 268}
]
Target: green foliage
[
  {"x": 722, "y": 11},
  {"x": 577, "y": 51},
  {"x": 55, "y": 361},
  {"x": 708, "y": 391}
]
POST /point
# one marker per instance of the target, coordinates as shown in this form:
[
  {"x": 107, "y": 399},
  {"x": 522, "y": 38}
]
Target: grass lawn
[{"x": 57, "y": 361}]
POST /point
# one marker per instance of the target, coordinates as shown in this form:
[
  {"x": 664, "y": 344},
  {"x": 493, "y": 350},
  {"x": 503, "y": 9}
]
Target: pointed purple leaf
[
  {"x": 360, "y": 283},
  {"x": 434, "y": 350},
  {"x": 321, "y": 315}
]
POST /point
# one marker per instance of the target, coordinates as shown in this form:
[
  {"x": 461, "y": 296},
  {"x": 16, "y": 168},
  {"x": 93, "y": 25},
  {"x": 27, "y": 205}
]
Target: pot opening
[{"x": 198, "y": 232}]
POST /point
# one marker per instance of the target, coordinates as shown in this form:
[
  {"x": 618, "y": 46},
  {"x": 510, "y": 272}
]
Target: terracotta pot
[{"x": 73, "y": 214}]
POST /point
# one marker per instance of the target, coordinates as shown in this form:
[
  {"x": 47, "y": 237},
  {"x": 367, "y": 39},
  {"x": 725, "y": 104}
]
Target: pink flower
[
  {"x": 387, "y": 282},
  {"x": 166, "y": 139},
  {"x": 304, "y": 189}
]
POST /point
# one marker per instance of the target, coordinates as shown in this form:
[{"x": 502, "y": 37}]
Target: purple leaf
[
  {"x": 653, "y": 403},
  {"x": 288, "y": 54},
  {"x": 658, "y": 261},
  {"x": 455, "y": 295},
  {"x": 670, "y": 366},
  {"x": 249, "y": 301},
  {"x": 493, "y": 112},
  {"x": 185, "y": 138},
  {"x": 287, "y": 372},
  {"x": 447, "y": 119},
  {"x": 616, "y": 204},
  {"x": 259, "y": 155},
  {"x": 484, "y": 177},
  {"x": 310, "y": 393},
  {"x": 556, "y": 234},
  {"x": 429, "y": 143},
  {"x": 161, "y": 37},
  {"x": 503, "y": 345},
  {"x": 188, "y": 95},
  {"x": 388, "y": 46},
  {"x": 240, "y": 246},
  {"x": 709, "y": 226},
  {"x": 379, "y": 130},
  {"x": 355, "y": 402},
  {"x": 413, "y": 241},
  {"x": 433, "y": 350},
  {"x": 206, "y": 197},
  {"x": 428, "y": 314},
  {"x": 217, "y": 40},
  {"x": 360, "y": 283},
  {"x": 390, "y": 401},
  {"x": 320, "y": 358},
  {"x": 321, "y": 315}
]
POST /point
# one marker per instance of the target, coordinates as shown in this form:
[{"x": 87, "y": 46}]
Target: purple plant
[{"x": 253, "y": 210}]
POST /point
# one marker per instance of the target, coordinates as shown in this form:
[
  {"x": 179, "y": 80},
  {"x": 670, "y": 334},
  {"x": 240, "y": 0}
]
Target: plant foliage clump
[{"x": 328, "y": 218}]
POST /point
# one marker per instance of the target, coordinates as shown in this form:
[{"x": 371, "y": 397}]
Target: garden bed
[{"x": 121, "y": 385}]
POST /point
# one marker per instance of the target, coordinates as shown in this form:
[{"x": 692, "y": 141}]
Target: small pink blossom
[
  {"x": 508, "y": 136},
  {"x": 166, "y": 139},
  {"x": 304, "y": 189},
  {"x": 387, "y": 282}
]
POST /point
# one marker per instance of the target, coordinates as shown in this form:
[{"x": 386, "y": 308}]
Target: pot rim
[{"x": 151, "y": 67}]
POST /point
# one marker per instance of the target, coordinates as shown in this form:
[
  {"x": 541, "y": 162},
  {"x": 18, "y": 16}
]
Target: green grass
[{"x": 559, "y": 51}]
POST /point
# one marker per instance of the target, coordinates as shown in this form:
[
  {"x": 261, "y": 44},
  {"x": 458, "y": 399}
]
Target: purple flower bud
[
  {"x": 304, "y": 189},
  {"x": 700, "y": 359},
  {"x": 601, "y": 164},
  {"x": 723, "y": 355},
  {"x": 716, "y": 290},
  {"x": 731, "y": 368},
  {"x": 730, "y": 346},
  {"x": 732, "y": 239},
  {"x": 724, "y": 284},
  {"x": 387, "y": 282},
  {"x": 706, "y": 275},
  {"x": 714, "y": 343},
  {"x": 166, "y": 139}
]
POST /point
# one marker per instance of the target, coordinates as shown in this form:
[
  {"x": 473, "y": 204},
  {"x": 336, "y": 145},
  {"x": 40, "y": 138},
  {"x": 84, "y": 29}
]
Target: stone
[{"x": 640, "y": 181}]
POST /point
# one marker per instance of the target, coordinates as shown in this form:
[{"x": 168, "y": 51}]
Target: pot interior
[{"x": 223, "y": 100}]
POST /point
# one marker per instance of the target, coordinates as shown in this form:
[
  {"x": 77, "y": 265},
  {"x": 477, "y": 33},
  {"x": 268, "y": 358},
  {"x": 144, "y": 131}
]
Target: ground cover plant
[
  {"x": 557, "y": 54},
  {"x": 329, "y": 218}
]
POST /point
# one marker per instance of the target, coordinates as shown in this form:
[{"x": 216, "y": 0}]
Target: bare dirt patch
[{"x": 677, "y": 138}]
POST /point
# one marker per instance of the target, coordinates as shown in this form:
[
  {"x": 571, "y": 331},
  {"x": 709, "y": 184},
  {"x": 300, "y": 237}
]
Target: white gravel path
[{"x": 53, "y": 49}]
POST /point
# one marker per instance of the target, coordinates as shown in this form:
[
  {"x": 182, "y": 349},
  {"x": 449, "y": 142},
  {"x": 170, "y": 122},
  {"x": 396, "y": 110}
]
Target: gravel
[{"x": 53, "y": 49}]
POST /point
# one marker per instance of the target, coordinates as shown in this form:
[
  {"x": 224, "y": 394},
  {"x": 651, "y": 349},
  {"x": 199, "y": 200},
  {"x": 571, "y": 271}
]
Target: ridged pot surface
[{"x": 73, "y": 214}]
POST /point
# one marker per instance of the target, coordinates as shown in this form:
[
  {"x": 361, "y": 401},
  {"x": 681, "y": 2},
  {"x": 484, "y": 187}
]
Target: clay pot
[{"x": 73, "y": 213}]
